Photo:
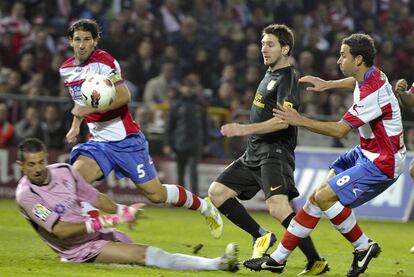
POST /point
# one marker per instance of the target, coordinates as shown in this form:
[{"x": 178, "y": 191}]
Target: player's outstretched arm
[
  {"x": 405, "y": 98},
  {"x": 268, "y": 126},
  {"x": 319, "y": 85},
  {"x": 292, "y": 117}
]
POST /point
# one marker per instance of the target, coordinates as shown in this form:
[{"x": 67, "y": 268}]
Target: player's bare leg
[
  {"x": 88, "y": 168},
  {"x": 133, "y": 253},
  {"x": 178, "y": 196}
]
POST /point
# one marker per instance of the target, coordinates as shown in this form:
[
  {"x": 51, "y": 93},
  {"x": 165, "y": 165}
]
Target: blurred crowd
[{"x": 168, "y": 47}]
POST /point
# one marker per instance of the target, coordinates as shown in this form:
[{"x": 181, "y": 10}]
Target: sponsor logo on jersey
[
  {"x": 75, "y": 92},
  {"x": 41, "y": 212},
  {"x": 287, "y": 104},
  {"x": 258, "y": 100}
]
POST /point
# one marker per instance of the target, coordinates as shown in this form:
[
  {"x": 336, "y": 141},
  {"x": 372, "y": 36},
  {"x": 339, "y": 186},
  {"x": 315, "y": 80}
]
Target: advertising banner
[{"x": 396, "y": 203}]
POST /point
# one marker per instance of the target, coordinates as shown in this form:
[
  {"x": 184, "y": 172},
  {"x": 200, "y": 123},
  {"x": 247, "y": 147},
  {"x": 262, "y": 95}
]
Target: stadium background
[{"x": 212, "y": 46}]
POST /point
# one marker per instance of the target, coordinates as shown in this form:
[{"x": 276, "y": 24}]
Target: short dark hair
[
  {"x": 86, "y": 25},
  {"x": 283, "y": 33},
  {"x": 29, "y": 145},
  {"x": 363, "y": 45}
]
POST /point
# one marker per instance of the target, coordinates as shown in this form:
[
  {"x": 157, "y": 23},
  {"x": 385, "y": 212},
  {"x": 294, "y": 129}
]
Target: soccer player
[
  {"x": 117, "y": 142},
  {"x": 406, "y": 98},
  {"x": 268, "y": 162},
  {"x": 49, "y": 197},
  {"x": 361, "y": 173}
]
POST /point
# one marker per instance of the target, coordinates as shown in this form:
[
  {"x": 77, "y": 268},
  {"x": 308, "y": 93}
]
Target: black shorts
[{"x": 273, "y": 177}]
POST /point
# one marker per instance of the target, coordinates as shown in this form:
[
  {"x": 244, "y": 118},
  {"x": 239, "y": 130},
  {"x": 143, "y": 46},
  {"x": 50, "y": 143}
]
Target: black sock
[
  {"x": 306, "y": 244},
  {"x": 238, "y": 214}
]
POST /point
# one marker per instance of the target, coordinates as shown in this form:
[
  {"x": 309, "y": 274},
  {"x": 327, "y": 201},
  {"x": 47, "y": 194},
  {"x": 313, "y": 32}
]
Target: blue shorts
[
  {"x": 357, "y": 179},
  {"x": 128, "y": 157}
]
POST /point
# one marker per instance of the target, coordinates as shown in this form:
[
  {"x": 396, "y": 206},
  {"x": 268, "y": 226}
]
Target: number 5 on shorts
[{"x": 141, "y": 171}]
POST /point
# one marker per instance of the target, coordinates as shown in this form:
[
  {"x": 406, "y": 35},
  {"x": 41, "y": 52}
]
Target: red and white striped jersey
[
  {"x": 110, "y": 125},
  {"x": 376, "y": 114},
  {"x": 412, "y": 88}
]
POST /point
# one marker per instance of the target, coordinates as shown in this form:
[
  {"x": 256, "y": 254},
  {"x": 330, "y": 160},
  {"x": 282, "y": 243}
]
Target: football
[{"x": 98, "y": 91}]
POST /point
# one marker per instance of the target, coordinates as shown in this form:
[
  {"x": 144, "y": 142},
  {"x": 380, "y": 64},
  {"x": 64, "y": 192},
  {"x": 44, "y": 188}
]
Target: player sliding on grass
[
  {"x": 117, "y": 143},
  {"x": 358, "y": 175},
  {"x": 50, "y": 196}
]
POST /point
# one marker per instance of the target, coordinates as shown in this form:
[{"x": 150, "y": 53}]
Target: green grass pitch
[{"x": 23, "y": 253}]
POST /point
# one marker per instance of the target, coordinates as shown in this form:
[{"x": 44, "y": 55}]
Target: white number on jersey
[{"x": 342, "y": 181}]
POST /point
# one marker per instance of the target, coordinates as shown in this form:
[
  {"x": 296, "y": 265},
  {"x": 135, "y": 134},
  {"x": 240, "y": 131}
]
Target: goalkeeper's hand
[{"x": 125, "y": 214}]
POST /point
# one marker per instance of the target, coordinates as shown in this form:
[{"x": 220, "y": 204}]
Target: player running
[
  {"x": 117, "y": 142},
  {"x": 269, "y": 160},
  {"x": 361, "y": 173},
  {"x": 50, "y": 196}
]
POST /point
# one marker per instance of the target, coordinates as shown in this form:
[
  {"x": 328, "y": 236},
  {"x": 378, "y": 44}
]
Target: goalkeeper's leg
[{"x": 133, "y": 253}]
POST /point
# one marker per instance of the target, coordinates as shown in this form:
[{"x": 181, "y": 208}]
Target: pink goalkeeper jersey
[
  {"x": 110, "y": 125},
  {"x": 60, "y": 199},
  {"x": 376, "y": 114}
]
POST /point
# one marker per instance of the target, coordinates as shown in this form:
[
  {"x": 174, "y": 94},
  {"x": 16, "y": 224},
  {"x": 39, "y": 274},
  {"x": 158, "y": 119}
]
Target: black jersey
[{"x": 279, "y": 86}]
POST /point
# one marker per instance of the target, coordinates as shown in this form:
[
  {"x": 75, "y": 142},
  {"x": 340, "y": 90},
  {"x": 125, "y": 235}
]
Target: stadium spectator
[
  {"x": 17, "y": 25},
  {"x": 156, "y": 88},
  {"x": 117, "y": 142},
  {"x": 116, "y": 42},
  {"x": 49, "y": 198},
  {"x": 187, "y": 133},
  {"x": 53, "y": 128},
  {"x": 143, "y": 117},
  {"x": 142, "y": 66},
  {"x": 6, "y": 128},
  {"x": 29, "y": 126},
  {"x": 268, "y": 162},
  {"x": 361, "y": 173}
]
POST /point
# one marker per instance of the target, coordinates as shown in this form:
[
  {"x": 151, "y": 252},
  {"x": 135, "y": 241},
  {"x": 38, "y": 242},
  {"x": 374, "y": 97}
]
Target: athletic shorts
[
  {"x": 87, "y": 252},
  {"x": 273, "y": 177},
  {"x": 358, "y": 179},
  {"x": 128, "y": 157}
]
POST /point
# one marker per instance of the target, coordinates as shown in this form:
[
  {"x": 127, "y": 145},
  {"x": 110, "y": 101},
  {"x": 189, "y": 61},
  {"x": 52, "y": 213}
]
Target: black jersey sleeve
[{"x": 288, "y": 90}]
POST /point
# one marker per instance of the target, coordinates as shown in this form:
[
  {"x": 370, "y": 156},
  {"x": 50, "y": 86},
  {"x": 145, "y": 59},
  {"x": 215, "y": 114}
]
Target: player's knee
[
  {"x": 279, "y": 209},
  {"x": 219, "y": 193}
]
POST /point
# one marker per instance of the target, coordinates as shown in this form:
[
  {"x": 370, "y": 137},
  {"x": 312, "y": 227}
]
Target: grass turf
[{"x": 23, "y": 253}]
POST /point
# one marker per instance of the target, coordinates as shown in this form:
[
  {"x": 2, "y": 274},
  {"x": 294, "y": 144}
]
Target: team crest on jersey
[
  {"x": 60, "y": 209},
  {"x": 271, "y": 85},
  {"x": 95, "y": 97},
  {"x": 41, "y": 212}
]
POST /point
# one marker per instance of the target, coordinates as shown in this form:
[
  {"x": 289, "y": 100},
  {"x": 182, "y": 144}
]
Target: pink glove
[{"x": 127, "y": 213}]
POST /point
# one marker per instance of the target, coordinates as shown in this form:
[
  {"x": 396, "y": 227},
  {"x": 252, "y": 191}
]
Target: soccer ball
[{"x": 98, "y": 91}]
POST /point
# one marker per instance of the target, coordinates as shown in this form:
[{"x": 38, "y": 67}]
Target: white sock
[
  {"x": 159, "y": 258},
  {"x": 179, "y": 196}
]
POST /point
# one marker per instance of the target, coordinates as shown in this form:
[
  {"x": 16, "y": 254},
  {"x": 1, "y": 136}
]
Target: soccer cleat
[
  {"x": 213, "y": 219},
  {"x": 315, "y": 267},
  {"x": 362, "y": 259},
  {"x": 230, "y": 261},
  {"x": 262, "y": 244},
  {"x": 264, "y": 263}
]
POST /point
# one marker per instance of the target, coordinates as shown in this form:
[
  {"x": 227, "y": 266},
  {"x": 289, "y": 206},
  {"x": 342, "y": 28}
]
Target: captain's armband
[{"x": 115, "y": 78}]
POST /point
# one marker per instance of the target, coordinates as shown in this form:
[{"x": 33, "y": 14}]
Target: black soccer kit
[{"x": 269, "y": 160}]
